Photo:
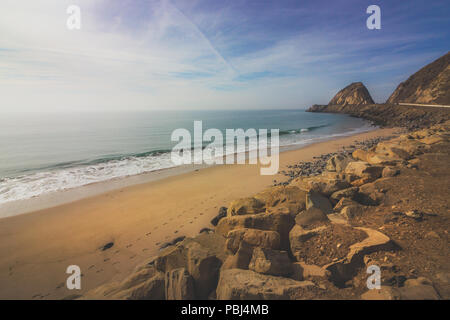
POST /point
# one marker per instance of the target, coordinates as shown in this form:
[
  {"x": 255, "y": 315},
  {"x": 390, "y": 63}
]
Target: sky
[{"x": 208, "y": 54}]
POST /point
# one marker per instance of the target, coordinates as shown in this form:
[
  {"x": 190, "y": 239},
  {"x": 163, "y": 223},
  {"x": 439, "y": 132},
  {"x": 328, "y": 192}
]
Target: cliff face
[
  {"x": 354, "y": 94},
  {"x": 431, "y": 84}
]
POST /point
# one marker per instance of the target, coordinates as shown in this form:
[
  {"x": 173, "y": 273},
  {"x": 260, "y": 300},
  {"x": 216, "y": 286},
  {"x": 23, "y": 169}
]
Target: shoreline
[
  {"x": 61, "y": 197},
  {"x": 37, "y": 247}
]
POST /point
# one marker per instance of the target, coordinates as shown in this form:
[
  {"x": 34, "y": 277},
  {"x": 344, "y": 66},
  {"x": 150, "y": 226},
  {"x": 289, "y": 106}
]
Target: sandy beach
[{"x": 37, "y": 247}]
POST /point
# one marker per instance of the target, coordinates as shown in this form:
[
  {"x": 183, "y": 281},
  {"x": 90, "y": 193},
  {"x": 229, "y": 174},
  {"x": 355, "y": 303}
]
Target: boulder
[
  {"x": 316, "y": 200},
  {"x": 321, "y": 184},
  {"x": 369, "y": 194},
  {"x": 241, "y": 259},
  {"x": 352, "y": 211},
  {"x": 363, "y": 169},
  {"x": 337, "y": 163},
  {"x": 151, "y": 289},
  {"x": 254, "y": 237},
  {"x": 344, "y": 193},
  {"x": 273, "y": 262},
  {"x": 287, "y": 196},
  {"x": 236, "y": 284},
  {"x": 344, "y": 202},
  {"x": 245, "y": 206},
  {"x": 201, "y": 256},
  {"x": 400, "y": 149},
  {"x": 275, "y": 219},
  {"x": 222, "y": 214},
  {"x": 179, "y": 285},
  {"x": 390, "y": 172},
  {"x": 310, "y": 216}
]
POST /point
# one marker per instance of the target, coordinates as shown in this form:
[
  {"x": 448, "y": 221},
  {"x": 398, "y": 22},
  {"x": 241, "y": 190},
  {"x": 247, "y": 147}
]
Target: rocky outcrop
[
  {"x": 429, "y": 85},
  {"x": 236, "y": 284},
  {"x": 354, "y": 94}
]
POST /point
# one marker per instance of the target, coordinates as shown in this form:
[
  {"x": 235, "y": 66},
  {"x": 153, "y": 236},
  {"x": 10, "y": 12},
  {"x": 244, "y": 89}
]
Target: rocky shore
[{"x": 381, "y": 203}]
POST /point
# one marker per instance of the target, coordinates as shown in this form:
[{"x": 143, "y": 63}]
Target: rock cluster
[{"x": 288, "y": 240}]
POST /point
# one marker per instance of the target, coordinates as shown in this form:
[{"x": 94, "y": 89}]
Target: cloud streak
[{"x": 140, "y": 55}]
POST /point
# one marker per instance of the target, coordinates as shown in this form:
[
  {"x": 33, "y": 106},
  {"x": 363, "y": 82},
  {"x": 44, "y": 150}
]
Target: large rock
[
  {"x": 273, "y": 262},
  {"x": 311, "y": 216},
  {"x": 352, "y": 211},
  {"x": 363, "y": 169},
  {"x": 400, "y": 149},
  {"x": 201, "y": 256},
  {"x": 344, "y": 202},
  {"x": 222, "y": 214},
  {"x": 254, "y": 237},
  {"x": 354, "y": 94},
  {"x": 236, "y": 284},
  {"x": 373, "y": 158},
  {"x": 245, "y": 206},
  {"x": 337, "y": 163},
  {"x": 349, "y": 193},
  {"x": 275, "y": 219},
  {"x": 325, "y": 185},
  {"x": 316, "y": 200},
  {"x": 151, "y": 289},
  {"x": 287, "y": 196},
  {"x": 179, "y": 285},
  {"x": 241, "y": 259}
]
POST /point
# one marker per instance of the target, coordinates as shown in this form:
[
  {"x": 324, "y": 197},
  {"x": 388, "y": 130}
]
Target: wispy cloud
[{"x": 205, "y": 54}]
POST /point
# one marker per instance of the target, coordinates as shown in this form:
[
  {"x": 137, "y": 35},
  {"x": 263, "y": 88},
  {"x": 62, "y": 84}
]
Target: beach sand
[{"x": 37, "y": 247}]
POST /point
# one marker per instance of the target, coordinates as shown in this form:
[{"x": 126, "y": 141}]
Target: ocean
[{"x": 47, "y": 152}]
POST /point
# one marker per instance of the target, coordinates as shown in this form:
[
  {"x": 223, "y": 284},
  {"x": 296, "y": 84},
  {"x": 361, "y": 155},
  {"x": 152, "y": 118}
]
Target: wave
[{"x": 73, "y": 174}]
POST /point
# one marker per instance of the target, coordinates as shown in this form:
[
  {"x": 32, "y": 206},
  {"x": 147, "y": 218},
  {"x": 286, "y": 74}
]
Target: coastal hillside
[
  {"x": 431, "y": 85},
  {"x": 354, "y": 94}
]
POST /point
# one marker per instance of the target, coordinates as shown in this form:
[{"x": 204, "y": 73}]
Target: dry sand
[{"x": 37, "y": 247}]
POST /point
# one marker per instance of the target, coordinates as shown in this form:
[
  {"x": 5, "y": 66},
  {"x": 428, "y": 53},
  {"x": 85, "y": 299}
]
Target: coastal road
[{"x": 423, "y": 105}]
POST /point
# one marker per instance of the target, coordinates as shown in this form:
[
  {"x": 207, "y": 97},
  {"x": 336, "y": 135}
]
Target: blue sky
[{"x": 140, "y": 55}]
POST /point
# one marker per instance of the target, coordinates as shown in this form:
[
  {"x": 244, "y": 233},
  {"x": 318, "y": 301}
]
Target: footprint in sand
[
  {"x": 132, "y": 257},
  {"x": 145, "y": 249},
  {"x": 164, "y": 223},
  {"x": 117, "y": 251},
  {"x": 38, "y": 295},
  {"x": 60, "y": 285},
  {"x": 93, "y": 266},
  {"x": 106, "y": 260},
  {"x": 128, "y": 246},
  {"x": 114, "y": 263},
  {"x": 191, "y": 221},
  {"x": 176, "y": 231},
  {"x": 158, "y": 243},
  {"x": 148, "y": 233},
  {"x": 101, "y": 270}
]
